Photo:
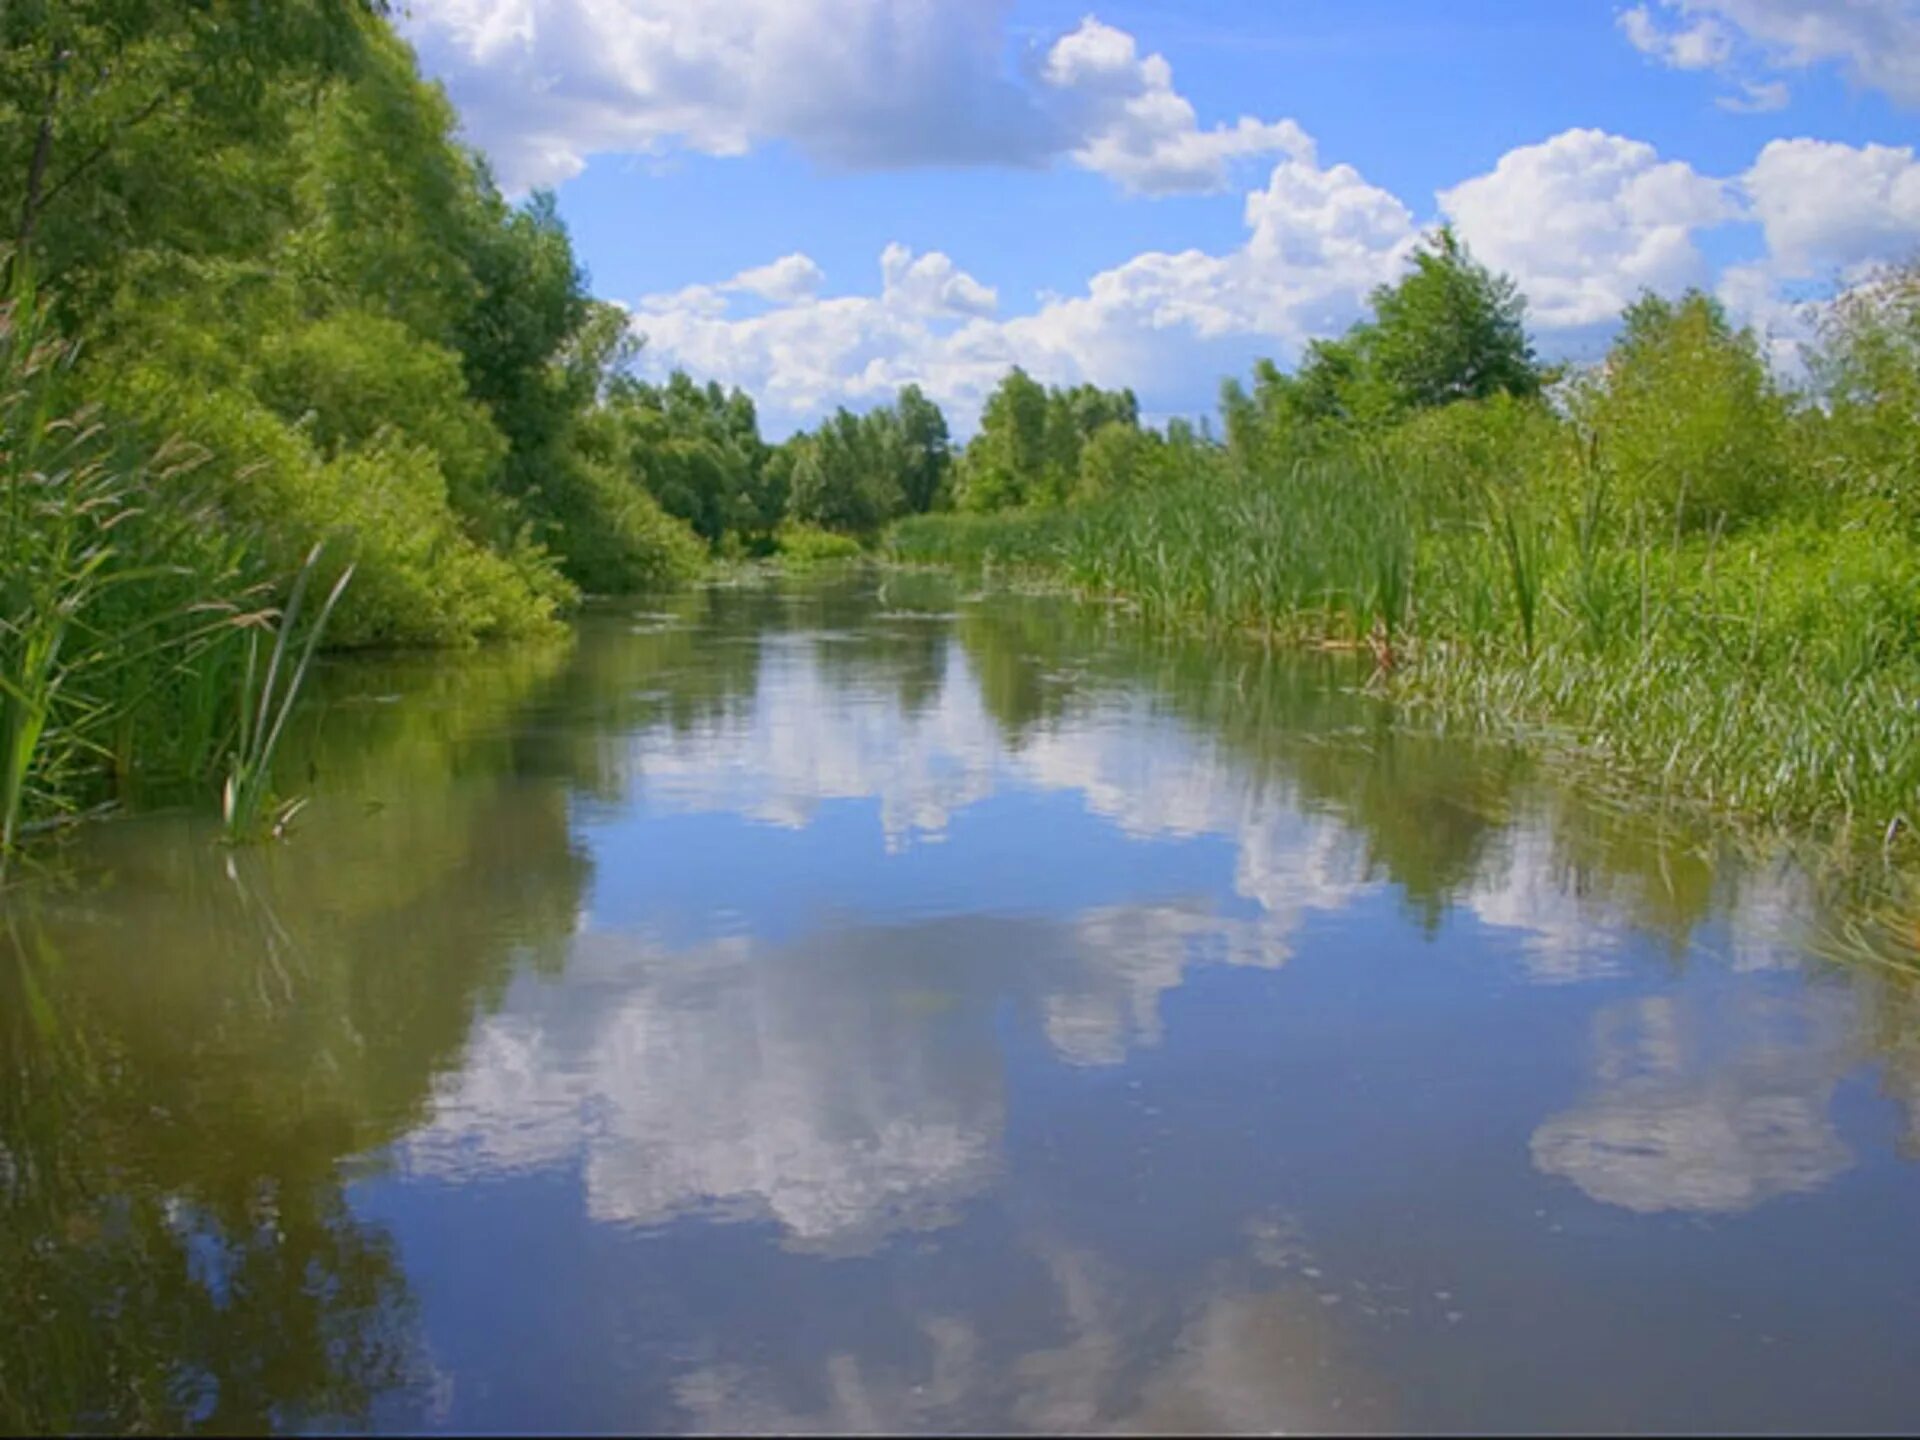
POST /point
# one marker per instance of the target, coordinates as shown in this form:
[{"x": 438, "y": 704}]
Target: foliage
[
  {"x": 117, "y": 600},
  {"x": 1691, "y": 428},
  {"x": 802, "y": 544},
  {"x": 308, "y": 318},
  {"x": 1032, "y": 439},
  {"x": 248, "y": 805},
  {"x": 1685, "y": 574},
  {"x": 1862, "y": 442},
  {"x": 1449, "y": 330}
]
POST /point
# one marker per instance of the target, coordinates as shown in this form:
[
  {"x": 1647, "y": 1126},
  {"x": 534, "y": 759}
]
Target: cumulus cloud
[
  {"x": 1136, "y": 128},
  {"x": 1828, "y": 206},
  {"x": 814, "y": 352},
  {"x": 1317, "y": 241},
  {"x": 789, "y": 279},
  {"x": 1830, "y": 214},
  {"x": 1586, "y": 220},
  {"x": 1875, "y": 43},
  {"x": 544, "y": 84},
  {"x": 931, "y": 284}
]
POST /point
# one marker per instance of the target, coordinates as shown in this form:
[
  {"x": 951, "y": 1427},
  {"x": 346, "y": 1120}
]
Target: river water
[{"x": 872, "y": 1005}]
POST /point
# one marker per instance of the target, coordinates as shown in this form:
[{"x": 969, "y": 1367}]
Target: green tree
[
  {"x": 928, "y": 450},
  {"x": 1685, "y": 416},
  {"x": 119, "y": 119},
  {"x": 1006, "y": 461},
  {"x": 1449, "y": 330}
]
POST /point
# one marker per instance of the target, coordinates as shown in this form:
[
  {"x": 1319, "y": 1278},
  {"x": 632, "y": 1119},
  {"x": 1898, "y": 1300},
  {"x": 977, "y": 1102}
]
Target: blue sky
[{"x": 1153, "y": 192}]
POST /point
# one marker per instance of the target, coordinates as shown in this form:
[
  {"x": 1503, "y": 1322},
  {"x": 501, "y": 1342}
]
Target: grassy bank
[{"x": 1711, "y": 597}]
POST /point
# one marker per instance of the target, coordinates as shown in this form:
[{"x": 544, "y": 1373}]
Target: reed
[
  {"x": 112, "y": 598},
  {"x": 249, "y": 807},
  {"x": 1768, "y": 670},
  {"x": 129, "y": 616}
]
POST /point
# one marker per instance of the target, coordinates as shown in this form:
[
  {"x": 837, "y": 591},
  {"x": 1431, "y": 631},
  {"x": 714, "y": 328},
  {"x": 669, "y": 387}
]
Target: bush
[
  {"x": 1686, "y": 420},
  {"x": 802, "y": 544},
  {"x": 619, "y": 541},
  {"x": 421, "y": 579},
  {"x": 1863, "y": 443}
]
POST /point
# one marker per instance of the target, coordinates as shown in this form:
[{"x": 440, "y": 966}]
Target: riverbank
[{"x": 1768, "y": 674}]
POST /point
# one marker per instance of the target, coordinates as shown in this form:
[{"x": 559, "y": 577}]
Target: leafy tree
[
  {"x": 846, "y": 474},
  {"x": 1449, "y": 330},
  {"x": 120, "y": 121},
  {"x": 1006, "y": 460},
  {"x": 1863, "y": 438},
  {"x": 1029, "y": 447},
  {"x": 927, "y": 450},
  {"x": 1684, "y": 415}
]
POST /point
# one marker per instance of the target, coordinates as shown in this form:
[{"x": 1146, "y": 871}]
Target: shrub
[
  {"x": 1864, "y": 443},
  {"x": 803, "y": 544},
  {"x": 1685, "y": 417},
  {"x": 420, "y": 578},
  {"x": 619, "y": 541}
]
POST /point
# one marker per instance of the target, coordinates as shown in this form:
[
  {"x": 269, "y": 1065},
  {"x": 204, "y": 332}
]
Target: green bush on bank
[
  {"x": 302, "y": 313},
  {"x": 803, "y": 545}
]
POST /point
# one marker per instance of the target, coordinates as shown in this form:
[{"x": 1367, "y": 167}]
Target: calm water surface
[{"x": 867, "y": 1006}]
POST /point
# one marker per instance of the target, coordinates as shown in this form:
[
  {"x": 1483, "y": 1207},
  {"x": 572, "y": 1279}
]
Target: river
[{"x": 871, "y": 1004}]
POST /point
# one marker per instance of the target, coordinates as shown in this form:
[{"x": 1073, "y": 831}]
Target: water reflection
[
  {"x": 1706, "y": 1113},
  {"x": 864, "y": 1006}
]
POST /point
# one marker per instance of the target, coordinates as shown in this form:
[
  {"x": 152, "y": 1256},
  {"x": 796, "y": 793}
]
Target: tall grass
[
  {"x": 1764, "y": 663},
  {"x": 248, "y": 805},
  {"x": 131, "y": 621}
]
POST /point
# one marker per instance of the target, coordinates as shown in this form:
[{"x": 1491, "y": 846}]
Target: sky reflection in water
[{"x": 850, "y": 1008}]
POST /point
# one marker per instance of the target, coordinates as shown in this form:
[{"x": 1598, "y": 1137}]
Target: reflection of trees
[
  {"x": 1420, "y": 814},
  {"x": 1434, "y": 813},
  {"x": 194, "y": 1041}
]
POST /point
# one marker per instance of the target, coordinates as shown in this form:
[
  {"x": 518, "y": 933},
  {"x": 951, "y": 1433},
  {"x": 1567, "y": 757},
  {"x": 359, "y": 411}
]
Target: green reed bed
[
  {"x": 1773, "y": 671},
  {"x": 129, "y": 616}
]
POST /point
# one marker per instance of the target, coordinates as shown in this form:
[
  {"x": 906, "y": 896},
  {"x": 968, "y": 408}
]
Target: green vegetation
[
  {"x": 267, "y": 697},
  {"x": 263, "y": 305},
  {"x": 1675, "y": 563},
  {"x": 257, "y": 301}
]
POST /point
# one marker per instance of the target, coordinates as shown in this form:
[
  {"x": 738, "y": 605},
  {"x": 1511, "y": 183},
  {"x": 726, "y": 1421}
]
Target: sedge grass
[{"x": 1771, "y": 672}]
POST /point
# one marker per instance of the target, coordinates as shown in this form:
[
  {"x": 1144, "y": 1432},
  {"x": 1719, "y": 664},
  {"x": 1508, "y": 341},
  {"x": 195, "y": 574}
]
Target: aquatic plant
[
  {"x": 248, "y": 806},
  {"x": 117, "y": 600}
]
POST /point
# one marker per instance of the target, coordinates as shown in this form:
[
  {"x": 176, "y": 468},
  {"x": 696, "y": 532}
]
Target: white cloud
[
  {"x": 544, "y": 84},
  {"x": 1757, "y": 97},
  {"x": 1137, "y": 129},
  {"x": 1827, "y": 206},
  {"x": 813, "y": 352},
  {"x": 789, "y": 279},
  {"x": 1317, "y": 241},
  {"x": 1876, "y": 43},
  {"x": 931, "y": 284},
  {"x": 1586, "y": 220},
  {"x": 1703, "y": 45}
]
